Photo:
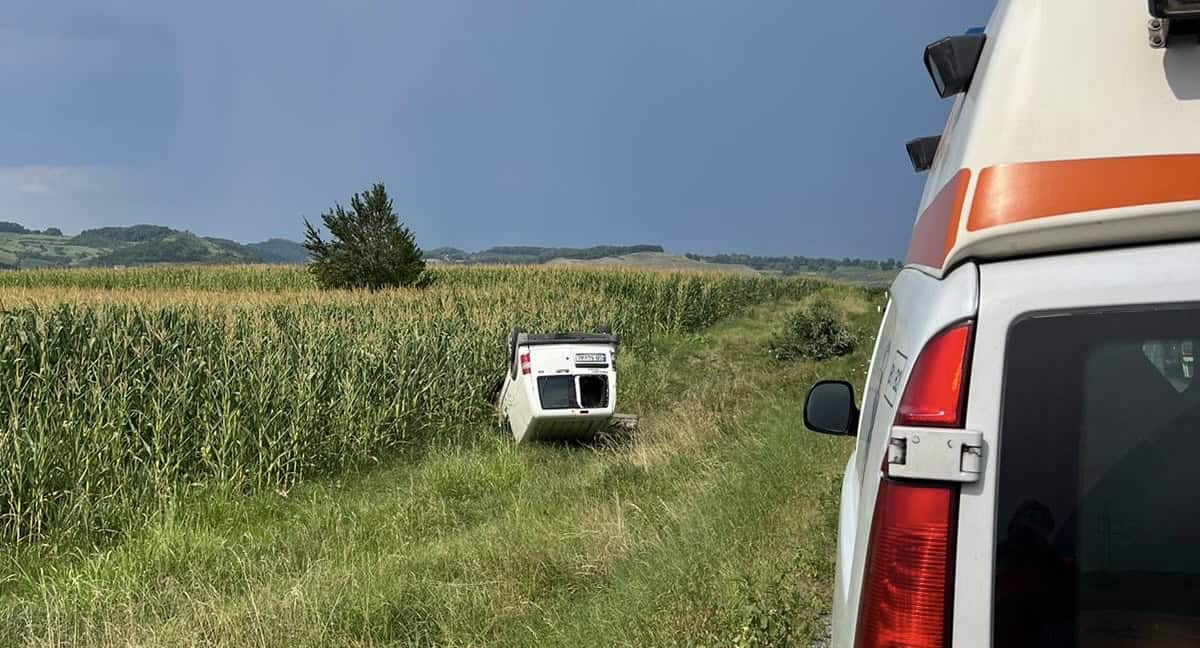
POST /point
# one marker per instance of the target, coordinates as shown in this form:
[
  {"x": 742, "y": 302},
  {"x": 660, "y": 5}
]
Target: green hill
[
  {"x": 40, "y": 250},
  {"x": 133, "y": 245},
  {"x": 114, "y": 237},
  {"x": 279, "y": 250},
  {"x": 177, "y": 247}
]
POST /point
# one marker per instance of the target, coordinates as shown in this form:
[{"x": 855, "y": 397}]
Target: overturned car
[{"x": 559, "y": 386}]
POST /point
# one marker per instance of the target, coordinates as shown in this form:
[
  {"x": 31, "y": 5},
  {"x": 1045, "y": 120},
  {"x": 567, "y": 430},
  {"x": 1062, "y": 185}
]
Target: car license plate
[{"x": 591, "y": 359}]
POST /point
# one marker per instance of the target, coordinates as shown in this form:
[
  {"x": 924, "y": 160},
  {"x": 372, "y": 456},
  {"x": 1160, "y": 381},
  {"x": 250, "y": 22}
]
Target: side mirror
[{"x": 829, "y": 408}]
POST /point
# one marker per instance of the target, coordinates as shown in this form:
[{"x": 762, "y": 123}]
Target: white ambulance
[{"x": 1024, "y": 472}]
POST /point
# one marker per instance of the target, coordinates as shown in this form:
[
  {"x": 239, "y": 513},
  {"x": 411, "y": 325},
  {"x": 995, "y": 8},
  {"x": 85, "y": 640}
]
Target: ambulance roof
[{"x": 1075, "y": 133}]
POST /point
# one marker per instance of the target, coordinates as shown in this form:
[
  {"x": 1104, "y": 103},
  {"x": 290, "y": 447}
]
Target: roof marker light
[
  {"x": 921, "y": 152},
  {"x": 952, "y": 61},
  {"x": 1175, "y": 8},
  {"x": 1173, "y": 21}
]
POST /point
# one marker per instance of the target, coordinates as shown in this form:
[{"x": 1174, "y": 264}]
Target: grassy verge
[{"x": 715, "y": 526}]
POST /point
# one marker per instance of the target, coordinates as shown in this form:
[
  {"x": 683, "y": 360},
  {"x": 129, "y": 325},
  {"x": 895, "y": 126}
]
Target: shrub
[{"x": 814, "y": 333}]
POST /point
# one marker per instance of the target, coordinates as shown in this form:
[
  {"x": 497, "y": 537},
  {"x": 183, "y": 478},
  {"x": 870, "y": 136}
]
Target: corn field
[{"x": 123, "y": 387}]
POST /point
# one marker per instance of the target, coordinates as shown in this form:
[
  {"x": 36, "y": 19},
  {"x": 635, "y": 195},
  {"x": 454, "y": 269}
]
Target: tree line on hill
[
  {"x": 9, "y": 227},
  {"x": 793, "y": 265},
  {"x": 527, "y": 254},
  {"x": 147, "y": 244}
]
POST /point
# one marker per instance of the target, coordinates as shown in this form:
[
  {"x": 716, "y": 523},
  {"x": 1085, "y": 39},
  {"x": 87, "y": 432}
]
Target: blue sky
[{"x": 762, "y": 127}]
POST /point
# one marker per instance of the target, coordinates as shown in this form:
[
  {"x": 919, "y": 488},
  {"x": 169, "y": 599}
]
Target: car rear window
[
  {"x": 557, "y": 392},
  {"x": 1098, "y": 510},
  {"x": 593, "y": 391}
]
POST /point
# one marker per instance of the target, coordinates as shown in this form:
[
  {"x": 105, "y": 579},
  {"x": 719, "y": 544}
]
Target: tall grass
[{"x": 120, "y": 391}]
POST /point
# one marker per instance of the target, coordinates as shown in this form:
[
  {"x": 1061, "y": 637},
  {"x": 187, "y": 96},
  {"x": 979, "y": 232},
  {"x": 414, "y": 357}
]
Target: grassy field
[{"x": 220, "y": 457}]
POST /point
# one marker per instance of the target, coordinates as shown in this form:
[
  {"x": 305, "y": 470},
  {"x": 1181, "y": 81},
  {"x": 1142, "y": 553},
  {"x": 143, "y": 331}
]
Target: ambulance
[{"x": 1026, "y": 469}]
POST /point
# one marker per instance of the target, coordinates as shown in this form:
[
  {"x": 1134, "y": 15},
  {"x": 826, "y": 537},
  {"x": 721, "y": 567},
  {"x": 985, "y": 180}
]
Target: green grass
[{"x": 714, "y": 526}]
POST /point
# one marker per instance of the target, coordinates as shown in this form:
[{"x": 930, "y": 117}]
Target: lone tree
[{"x": 370, "y": 247}]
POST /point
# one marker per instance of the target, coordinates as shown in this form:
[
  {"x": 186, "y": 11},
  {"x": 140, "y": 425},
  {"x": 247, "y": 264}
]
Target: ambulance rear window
[{"x": 1098, "y": 508}]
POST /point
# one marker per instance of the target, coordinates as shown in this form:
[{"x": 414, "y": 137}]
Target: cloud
[
  {"x": 63, "y": 181},
  {"x": 34, "y": 188},
  {"x": 70, "y": 197}
]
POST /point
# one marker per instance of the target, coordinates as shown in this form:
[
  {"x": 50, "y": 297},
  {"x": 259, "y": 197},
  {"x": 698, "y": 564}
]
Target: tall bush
[{"x": 370, "y": 247}]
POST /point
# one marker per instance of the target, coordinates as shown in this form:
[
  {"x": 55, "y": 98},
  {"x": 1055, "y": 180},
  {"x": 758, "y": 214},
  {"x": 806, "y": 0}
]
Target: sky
[{"x": 760, "y": 127}]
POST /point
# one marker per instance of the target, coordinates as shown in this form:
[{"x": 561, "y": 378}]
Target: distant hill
[
  {"x": 523, "y": 254},
  {"x": 279, "y": 250},
  {"x": 789, "y": 265},
  {"x": 40, "y": 250},
  {"x": 177, "y": 247},
  {"x": 8, "y": 227},
  {"x": 21, "y": 247},
  {"x": 133, "y": 245},
  {"x": 656, "y": 261},
  {"x": 864, "y": 271},
  {"x": 114, "y": 237}
]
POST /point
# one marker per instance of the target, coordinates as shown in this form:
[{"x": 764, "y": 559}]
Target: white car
[
  {"x": 1024, "y": 472},
  {"x": 559, "y": 386}
]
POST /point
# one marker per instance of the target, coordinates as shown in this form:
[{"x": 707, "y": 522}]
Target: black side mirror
[
  {"x": 829, "y": 408},
  {"x": 921, "y": 152},
  {"x": 951, "y": 62}
]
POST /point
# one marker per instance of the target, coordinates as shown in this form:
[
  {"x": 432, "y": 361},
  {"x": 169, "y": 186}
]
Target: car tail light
[
  {"x": 937, "y": 389},
  {"x": 908, "y": 585},
  {"x": 525, "y": 363}
]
